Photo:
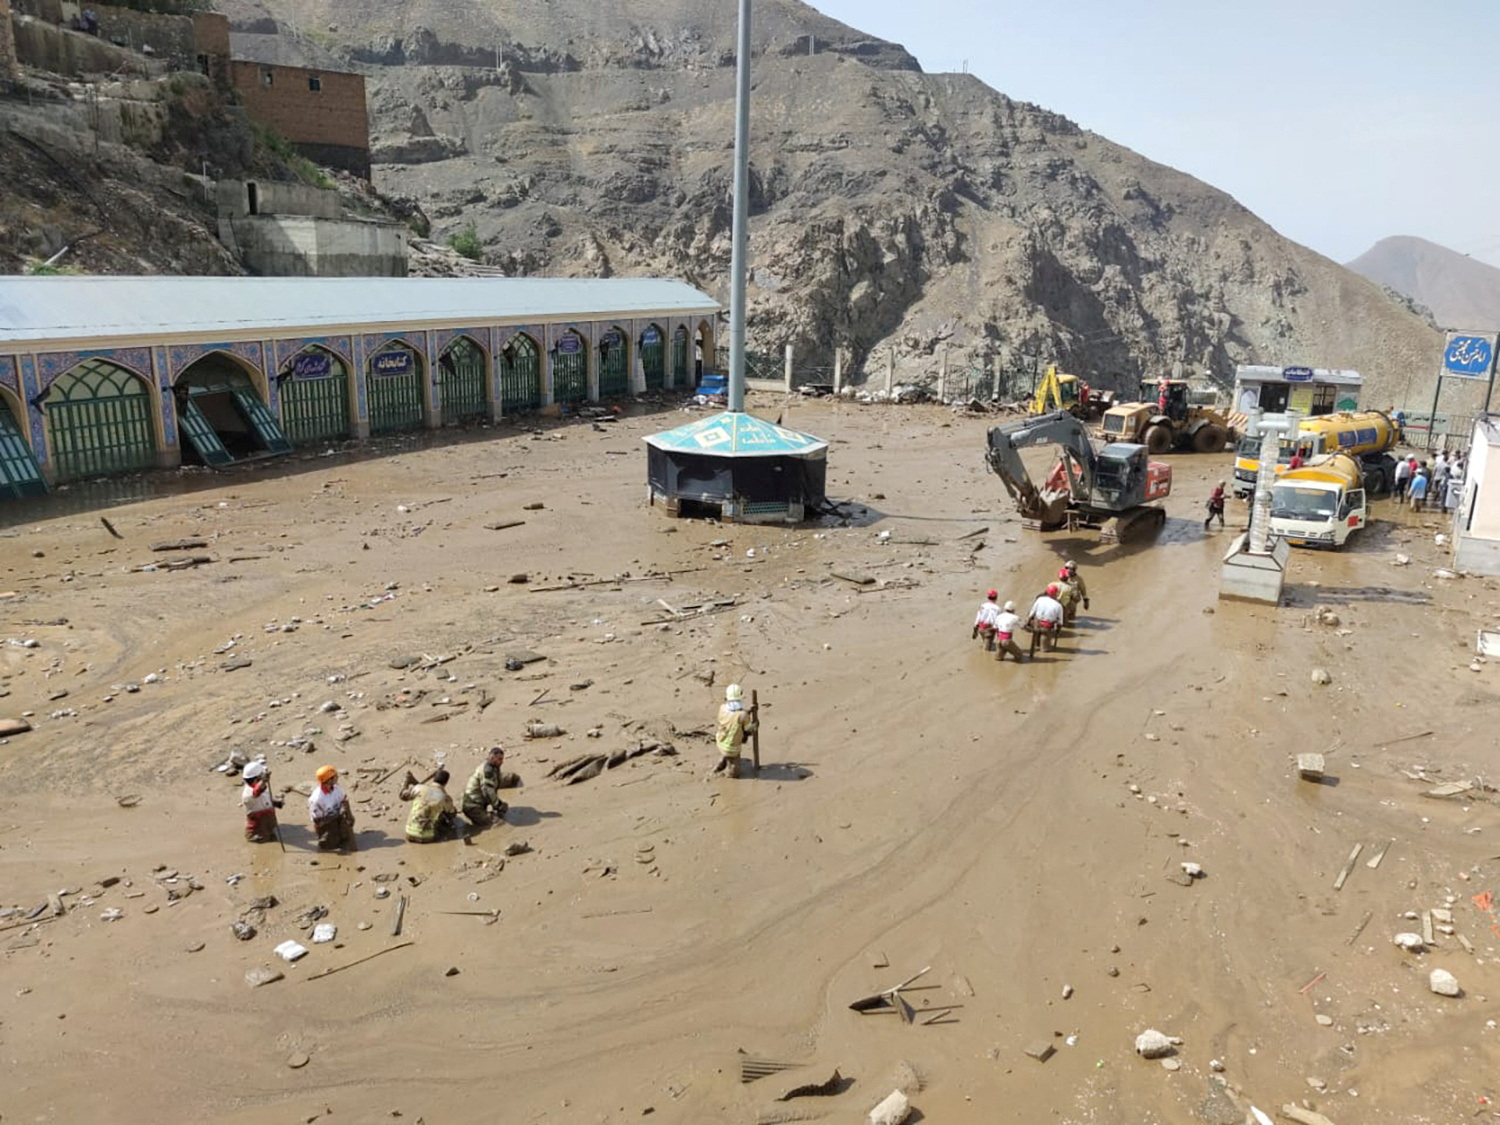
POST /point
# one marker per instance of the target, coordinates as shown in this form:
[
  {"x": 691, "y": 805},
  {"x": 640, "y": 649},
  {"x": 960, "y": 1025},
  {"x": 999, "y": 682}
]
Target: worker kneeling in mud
[
  {"x": 984, "y": 621},
  {"x": 1006, "y": 626},
  {"x": 482, "y": 803},
  {"x": 260, "y": 807},
  {"x": 433, "y": 816},
  {"x": 734, "y": 723},
  {"x": 333, "y": 819},
  {"x": 1045, "y": 620}
]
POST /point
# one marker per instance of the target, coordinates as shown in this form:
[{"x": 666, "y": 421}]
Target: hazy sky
[{"x": 1337, "y": 121}]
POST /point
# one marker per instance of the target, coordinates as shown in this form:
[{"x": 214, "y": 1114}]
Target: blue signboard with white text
[
  {"x": 1468, "y": 356},
  {"x": 391, "y": 363}
]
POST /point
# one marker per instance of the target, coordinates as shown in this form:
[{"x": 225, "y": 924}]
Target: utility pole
[{"x": 739, "y": 263}]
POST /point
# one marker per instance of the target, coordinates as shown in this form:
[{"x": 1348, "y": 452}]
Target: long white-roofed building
[{"x": 103, "y": 375}]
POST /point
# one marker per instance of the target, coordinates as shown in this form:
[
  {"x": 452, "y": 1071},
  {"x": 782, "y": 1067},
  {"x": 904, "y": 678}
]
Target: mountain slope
[
  {"x": 1461, "y": 292},
  {"x": 891, "y": 208}
]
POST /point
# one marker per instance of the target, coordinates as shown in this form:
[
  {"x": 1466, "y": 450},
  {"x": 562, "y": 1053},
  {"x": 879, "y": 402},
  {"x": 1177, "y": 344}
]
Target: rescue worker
[
  {"x": 984, "y": 621},
  {"x": 1045, "y": 620},
  {"x": 432, "y": 816},
  {"x": 482, "y": 804},
  {"x": 260, "y": 807},
  {"x": 328, "y": 805},
  {"x": 1006, "y": 626},
  {"x": 734, "y": 724},
  {"x": 1077, "y": 579},
  {"x": 1215, "y": 506},
  {"x": 1067, "y": 596}
]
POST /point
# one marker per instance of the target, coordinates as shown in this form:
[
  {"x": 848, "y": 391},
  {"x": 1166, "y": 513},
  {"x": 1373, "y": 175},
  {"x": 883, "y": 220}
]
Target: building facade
[
  {"x": 104, "y": 375},
  {"x": 1476, "y": 521},
  {"x": 321, "y": 113}
]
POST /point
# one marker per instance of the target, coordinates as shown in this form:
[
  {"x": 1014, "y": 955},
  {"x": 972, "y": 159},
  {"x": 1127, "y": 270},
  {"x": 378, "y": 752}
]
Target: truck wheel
[
  {"x": 1208, "y": 439},
  {"x": 1158, "y": 439}
]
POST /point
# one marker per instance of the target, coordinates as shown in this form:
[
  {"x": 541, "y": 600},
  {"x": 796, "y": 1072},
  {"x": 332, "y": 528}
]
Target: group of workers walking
[
  {"x": 1050, "y": 611},
  {"x": 432, "y": 815}
]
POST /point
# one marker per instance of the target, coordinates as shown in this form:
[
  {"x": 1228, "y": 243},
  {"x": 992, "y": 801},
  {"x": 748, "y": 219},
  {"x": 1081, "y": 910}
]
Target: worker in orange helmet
[{"x": 333, "y": 819}]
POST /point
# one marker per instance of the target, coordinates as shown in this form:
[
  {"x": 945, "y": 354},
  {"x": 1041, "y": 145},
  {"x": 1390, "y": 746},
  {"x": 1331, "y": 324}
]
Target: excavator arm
[{"x": 1058, "y": 428}]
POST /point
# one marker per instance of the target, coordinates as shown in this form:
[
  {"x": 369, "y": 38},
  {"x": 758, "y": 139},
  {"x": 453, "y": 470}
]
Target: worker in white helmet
[
  {"x": 734, "y": 723},
  {"x": 1007, "y": 625},
  {"x": 260, "y": 806}
]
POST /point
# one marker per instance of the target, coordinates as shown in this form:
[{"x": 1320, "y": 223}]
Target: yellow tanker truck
[
  {"x": 1367, "y": 436},
  {"x": 1322, "y": 503}
]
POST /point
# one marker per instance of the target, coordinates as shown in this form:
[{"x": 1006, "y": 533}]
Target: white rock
[
  {"x": 1401, "y": 560},
  {"x": 1444, "y": 983},
  {"x": 1443, "y": 915},
  {"x": 1152, "y": 1044},
  {"x": 291, "y": 950},
  {"x": 1443, "y": 572},
  {"x": 893, "y": 1111},
  {"x": 1172, "y": 1064},
  {"x": 1412, "y": 943},
  {"x": 1321, "y": 676},
  {"x": 324, "y": 931},
  {"x": 1192, "y": 871}
]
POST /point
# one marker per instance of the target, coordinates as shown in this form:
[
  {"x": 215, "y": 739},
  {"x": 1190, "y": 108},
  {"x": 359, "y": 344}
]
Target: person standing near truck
[
  {"x": 1401, "y": 480},
  {"x": 1418, "y": 488}
]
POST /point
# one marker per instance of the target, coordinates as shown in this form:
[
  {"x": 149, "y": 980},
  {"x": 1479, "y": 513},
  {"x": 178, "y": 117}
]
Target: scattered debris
[
  {"x": 1298, "y": 1114},
  {"x": 1410, "y": 942},
  {"x": 1310, "y": 766},
  {"x": 257, "y": 977},
  {"x": 291, "y": 950},
  {"x": 1153, "y": 1044},
  {"x": 803, "y": 1088},
  {"x": 1321, "y": 676},
  {"x": 361, "y": 960},
  {"x": 1444, "y": 983},
  {"x": 1338, "y": 884},
  {"x": 892, "y": 1111},
  {"x": 180, "y": 545},
  {"x": 9, "y": 727},
  {"x": 1041, "y": 1050}
]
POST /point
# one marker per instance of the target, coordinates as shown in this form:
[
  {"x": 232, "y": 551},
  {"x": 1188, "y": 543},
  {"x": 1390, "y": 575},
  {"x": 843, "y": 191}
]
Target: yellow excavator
[{"x": 1058, "y": 391}]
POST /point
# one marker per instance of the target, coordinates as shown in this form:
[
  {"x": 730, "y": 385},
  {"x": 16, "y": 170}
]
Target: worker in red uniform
[{"x": 1215, "y": 506}]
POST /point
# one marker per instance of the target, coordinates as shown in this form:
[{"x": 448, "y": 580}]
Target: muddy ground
[{"x": 1019, "y": 830}]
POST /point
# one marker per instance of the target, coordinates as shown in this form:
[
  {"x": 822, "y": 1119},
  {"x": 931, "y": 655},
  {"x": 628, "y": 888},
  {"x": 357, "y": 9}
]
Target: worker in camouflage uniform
[
  {"x": 482, "y": 804},
  {"x": 432, "y": 816}
]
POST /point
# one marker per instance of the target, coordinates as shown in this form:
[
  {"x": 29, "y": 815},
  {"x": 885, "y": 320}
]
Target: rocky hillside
[
  {"x": 1461, "y": 292},
  {"x": 891, "y": 208}
]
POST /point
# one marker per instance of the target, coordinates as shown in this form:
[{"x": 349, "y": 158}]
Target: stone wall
[
  {"x": 197, "y": 42},
  {"x": 9, "y": 67},
  {"x": 57, "y": 50},
  {"x": 304, "y": 246},
  {"x": 322, "y": 113},
  {"x": 238, "y": 198}
]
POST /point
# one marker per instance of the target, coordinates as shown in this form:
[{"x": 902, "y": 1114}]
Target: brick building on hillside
[{"x": 322, "y": 113}]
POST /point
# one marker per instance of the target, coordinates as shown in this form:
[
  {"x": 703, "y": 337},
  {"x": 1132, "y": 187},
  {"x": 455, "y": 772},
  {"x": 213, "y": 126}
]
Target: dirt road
[{"x": 1020, "y": 830}]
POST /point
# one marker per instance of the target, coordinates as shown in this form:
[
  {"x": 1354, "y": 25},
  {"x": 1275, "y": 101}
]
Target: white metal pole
[{"x": 739, "y": 258}]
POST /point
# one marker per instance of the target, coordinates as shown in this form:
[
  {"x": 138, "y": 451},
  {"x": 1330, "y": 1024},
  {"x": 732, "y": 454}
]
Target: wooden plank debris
[
  {"x": 180, "y": 545},
  {"x": 1338, "y": 884},
  {"x": 1359, "y": 929},
  {"x": 1374, "y": 860},
  {"x": 859, "y": 578},
  {"x": 504, "y": 526}
]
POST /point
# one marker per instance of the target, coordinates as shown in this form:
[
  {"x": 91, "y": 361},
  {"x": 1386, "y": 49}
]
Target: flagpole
[{"x": 739, "y": 264}]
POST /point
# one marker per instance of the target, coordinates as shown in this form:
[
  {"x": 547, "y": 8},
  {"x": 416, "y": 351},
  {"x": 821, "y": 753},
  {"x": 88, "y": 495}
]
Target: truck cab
[{"x": 1320, "y": 504}]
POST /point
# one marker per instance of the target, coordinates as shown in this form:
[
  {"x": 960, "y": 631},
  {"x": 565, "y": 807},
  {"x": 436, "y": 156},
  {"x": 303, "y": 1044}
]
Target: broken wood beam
[{"x": 1338, "y": 884}]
